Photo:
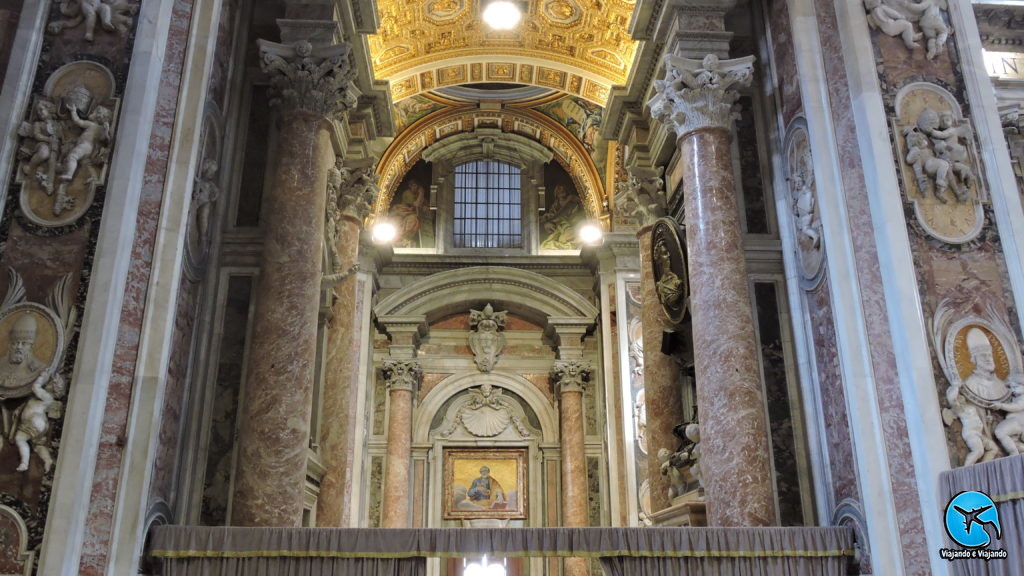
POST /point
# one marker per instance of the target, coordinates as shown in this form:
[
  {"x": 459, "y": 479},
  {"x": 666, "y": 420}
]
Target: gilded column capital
[
  {"x": 402, "y": 374},
  {"x": 308, "y": 78},
  {"x": 697, "y": 94},
  {"x": 571, "y": 375},
  {"x": 642, "y": 195}
]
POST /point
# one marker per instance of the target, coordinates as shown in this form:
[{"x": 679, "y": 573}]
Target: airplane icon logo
[{"x": 966, "y": 517}]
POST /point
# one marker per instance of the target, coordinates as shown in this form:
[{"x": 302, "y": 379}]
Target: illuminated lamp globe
[
  {"x": 384, "y": 232},
  {"x": 591, "y": 233},
  {"x": 502, "y": 15}
]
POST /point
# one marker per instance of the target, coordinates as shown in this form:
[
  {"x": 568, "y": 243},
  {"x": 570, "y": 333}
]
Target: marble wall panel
[
  {"x": 899, "y": 458},
  {"x": 10, "y": 11},
  {"x": 751, "y": 182},
  {"x": 784, "y": 61},
  {"x": 112, "y": 440},
  {"x": 376, "y": 480}
]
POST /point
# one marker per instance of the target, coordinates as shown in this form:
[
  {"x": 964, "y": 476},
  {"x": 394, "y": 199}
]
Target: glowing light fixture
[
  {"x": 384, "y": 232},
  {"x": 591, "y": 233},
  {"x": 482, "y": 568},
  {"x": 502, "y": 15}
]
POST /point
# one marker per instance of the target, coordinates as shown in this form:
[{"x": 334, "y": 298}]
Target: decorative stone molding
[
  {"x": 982, "y": 361},
  {"x": 66, "y": 144},
  {"x": 312, "y": 79},
  {"x": 486, "y": 341},
  {"x": 17, "y": 559},
  {"x": 939, "y": 162},
  {"x": 31, "y": 385},
  {"x": 111, "y": 15},
  {"x": 696, "y": 95},
  {"x": 897, "y": 18},
  {"x": 642, "y": 195},
  {"x": 402, "y": 374},
  {"x": 571, "y": 375}
]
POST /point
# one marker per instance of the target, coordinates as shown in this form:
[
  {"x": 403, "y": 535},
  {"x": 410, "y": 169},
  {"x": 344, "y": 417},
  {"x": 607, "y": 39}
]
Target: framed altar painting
[{"x": 485, "y": 483}]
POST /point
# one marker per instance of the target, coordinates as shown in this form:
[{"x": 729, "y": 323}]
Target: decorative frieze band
[{"x": 699, "y": 94}]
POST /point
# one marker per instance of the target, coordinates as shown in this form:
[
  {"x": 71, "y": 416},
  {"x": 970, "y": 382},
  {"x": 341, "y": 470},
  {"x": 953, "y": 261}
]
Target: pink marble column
[
  {"x": 696, "y": 100},
  {"x": 350, "y": 194},
  {"x": 571, "y": 377},
  {"x": 662, "y": 389},
  {"x": 275, "y": 413},
  {"x": 402, "y": 380}
]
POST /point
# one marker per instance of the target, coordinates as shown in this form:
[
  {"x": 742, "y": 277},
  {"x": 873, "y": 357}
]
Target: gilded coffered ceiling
[{"x": 582, "y": 47}]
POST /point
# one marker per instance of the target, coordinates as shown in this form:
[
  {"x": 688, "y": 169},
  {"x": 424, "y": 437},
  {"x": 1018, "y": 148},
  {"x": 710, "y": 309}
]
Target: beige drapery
[
  {"x": 1003, "y": 481},
  {"x": 215, "y": 551}
]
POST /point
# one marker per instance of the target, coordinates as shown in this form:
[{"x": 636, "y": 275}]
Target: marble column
[
  {"x": 275, "y": 413},
  {"x": 696, "y": 100},
  {"x": 570, "y": 379},
  {"x": 350, "y": 194},
  {"x": 643, "y": 199},
  {"x": 402, "y": 378}
]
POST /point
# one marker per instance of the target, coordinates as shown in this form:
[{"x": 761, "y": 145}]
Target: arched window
[{"x": 488, "y": 205}]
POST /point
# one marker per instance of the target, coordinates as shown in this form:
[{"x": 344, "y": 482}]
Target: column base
[{"x": 685, "y": 510}]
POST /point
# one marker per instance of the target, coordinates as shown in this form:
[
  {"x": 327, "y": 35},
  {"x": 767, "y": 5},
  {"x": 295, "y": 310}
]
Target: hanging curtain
[
  {"x": 297, "y": 567},
  {"x": 1003, "y": 481}
]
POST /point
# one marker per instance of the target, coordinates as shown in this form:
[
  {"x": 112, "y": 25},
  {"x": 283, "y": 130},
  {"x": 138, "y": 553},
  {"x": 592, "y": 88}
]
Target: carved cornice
[
  {"x": 402, "y": 374},
  {"x": 571, "y": 375},
  {"x": 697, "y": 95},
  {"x": 306, "y": 78}
]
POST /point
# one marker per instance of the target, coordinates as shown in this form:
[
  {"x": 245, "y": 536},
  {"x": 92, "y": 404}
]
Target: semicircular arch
[{"x": 567, "y": 150}]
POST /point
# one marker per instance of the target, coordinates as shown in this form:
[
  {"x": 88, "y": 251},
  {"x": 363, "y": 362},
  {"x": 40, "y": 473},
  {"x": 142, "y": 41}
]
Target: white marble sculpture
[
  {"x": 487, "y": 413},
  {"x": 204, "y": 198},
  {"x": 111, "y": 15},
  {"x": 677, "y": 485},
  {"x": 486, "y": 341},
  {"x": 987, "y": 406},
  {"x": 642, "y": 195},
  {"x": 41, "y": 144},
  {"x": 896, "y": 18},
  {"x": 31, "y": 420}
]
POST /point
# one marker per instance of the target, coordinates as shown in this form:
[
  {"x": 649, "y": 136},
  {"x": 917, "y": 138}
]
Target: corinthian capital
[
  {"x": 642, "y": 195},
  {"x": 402, "y": 374},
  {"x": 358, "y": 191},
  {"x": 314, "y": 79},
  {"x": 571, "y": 375},
  {"x": 699, "y": 94}
]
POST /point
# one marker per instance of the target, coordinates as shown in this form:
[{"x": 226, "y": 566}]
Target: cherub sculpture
[
  {"x": 31, "y": 419},
  {"x": 112, "y": 15},
  {"x": 1010, "y": 432},
  {"x": 42, "y": 144}
]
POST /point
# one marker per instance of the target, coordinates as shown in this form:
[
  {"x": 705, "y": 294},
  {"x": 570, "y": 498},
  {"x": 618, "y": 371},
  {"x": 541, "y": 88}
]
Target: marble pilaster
[
  {"x": 350, "y": 193},
  {"x": 696, "y": 100},
  {"x": 275, "y": 413},
  {"x": 402, "y": 378},
  {"x": 571, "y": 377}
]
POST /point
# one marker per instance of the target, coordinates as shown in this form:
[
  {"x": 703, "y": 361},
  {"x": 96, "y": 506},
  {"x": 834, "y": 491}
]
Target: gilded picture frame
[{"x": 485, "y": 483}]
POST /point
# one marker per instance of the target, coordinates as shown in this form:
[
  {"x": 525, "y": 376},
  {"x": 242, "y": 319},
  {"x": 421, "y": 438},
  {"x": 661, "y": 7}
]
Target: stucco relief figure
[
  {"x": 984, "y": 367},
  {"x": 32, "y": 420},
  {"x": 41, "y": 144},
  {"x": 677, "y": 485},
  {"x": 335, "y": 178},
  {"x": 669, "y": 287},
  {"x": 204, "y": 197},
  {"x": 486, "y": 341},
  {"x": 896, "y": 18},
  {"x": 949, "y": 140},
  {"x": 20, "y": 365},
  {"x": 640, "y": 418},
  {"x": 111, "y": 15},
  {"x": 1010, "y": 432},
  {"x": 929, "y": 170}
]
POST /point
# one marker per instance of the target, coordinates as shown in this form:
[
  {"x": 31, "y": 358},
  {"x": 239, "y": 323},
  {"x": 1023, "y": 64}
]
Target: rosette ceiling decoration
[{"x": 439, "y": 55}]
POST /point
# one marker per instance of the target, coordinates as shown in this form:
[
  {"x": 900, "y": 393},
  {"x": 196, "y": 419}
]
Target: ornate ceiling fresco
[
  {"x": 568, "y": 150},
  {"x": 582, "y": 47}
]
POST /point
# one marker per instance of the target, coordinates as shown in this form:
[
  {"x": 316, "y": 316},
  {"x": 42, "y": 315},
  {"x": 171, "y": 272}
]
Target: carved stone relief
[
  {"x": 803, "y": 196},
  {"x": 65, "y": 145},
  {"x": 486, "y": 341},
  {"x": 31, "y": 385},
  {"x": 15, "y": 559},
  {"x": 486, "y": 413},
  {"x": 315, "y": 79},
  {"x": 897, "y": 18},
  {"x": 571, "y": 375},
  {"x": 671, "y": 276},
  {"x": 351, "y": 192},
  {"x": 642, "y": 195},
  {"x": 985, "y": 397},
  {"x": 114, "y": 16},
  {"x": 205, "y": 193},
  {"x": 402, "y": 374},
  {"x": 939, "y": 163}
]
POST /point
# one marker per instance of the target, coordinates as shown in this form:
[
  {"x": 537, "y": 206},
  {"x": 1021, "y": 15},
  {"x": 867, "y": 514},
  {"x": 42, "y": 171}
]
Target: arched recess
[
  {"x": 521, "y": 292},
  {"x": 457, "y": 383},
  {"x": 566, "y": 148}
]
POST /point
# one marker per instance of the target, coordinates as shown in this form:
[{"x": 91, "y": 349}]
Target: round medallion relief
[{"x": 671, "y": 277}]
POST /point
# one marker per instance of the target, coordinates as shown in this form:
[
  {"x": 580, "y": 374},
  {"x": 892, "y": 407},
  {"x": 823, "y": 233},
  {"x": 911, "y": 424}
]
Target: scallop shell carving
[{"x": 486, "y": 421}]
